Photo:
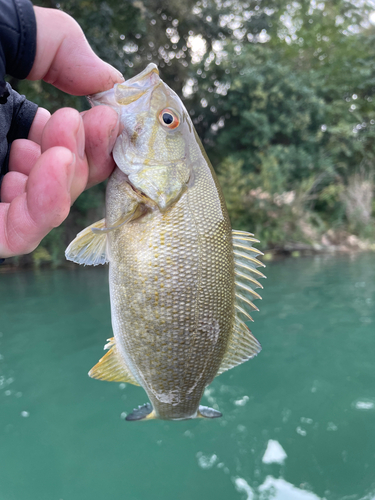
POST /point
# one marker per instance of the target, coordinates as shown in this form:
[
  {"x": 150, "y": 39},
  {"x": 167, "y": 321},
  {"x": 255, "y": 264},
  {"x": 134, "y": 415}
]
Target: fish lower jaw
[
  {"x": 165, "y": 415},
  {"x": 201, "y": 412},
  {"x": 194, "y": 415},
  {"x": 146, "y": 412}
]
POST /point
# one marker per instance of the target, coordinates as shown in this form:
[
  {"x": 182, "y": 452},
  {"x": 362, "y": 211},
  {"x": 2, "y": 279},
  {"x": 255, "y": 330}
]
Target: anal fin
[
  {"x": 241, "y": 347},
  {"x": 112, "y": 367}
]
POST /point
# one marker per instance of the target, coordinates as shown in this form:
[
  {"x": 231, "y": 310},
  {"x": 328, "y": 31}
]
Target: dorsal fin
[
  {"x": 112, "y": 367},
  {"x": 246, "y": 272},
  {"x": 242, "y": 344}
]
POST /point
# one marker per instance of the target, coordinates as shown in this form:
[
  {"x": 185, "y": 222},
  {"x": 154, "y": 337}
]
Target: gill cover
[{"x": 153, "y": 149}]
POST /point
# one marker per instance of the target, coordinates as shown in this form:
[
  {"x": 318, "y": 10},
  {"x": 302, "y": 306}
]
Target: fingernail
[
  {"x": 119, "y": 75},
  {"x": 81, "y": 140}
]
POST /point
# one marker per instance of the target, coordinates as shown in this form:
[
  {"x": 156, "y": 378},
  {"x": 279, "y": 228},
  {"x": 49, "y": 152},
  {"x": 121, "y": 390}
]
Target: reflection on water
[
  {"x": 274, "y": 454},
  {"x": 274, "y": 489},
  {"x": 364, "y": 405},
  {"x": 298, "y": 424}
]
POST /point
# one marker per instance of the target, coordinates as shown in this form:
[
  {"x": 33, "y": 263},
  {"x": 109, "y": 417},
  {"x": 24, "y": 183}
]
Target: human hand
[{"x": 64, "y": 154}]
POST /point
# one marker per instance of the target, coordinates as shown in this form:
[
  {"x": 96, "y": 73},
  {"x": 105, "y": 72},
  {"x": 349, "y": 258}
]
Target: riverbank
[{"x": 331, "y": 242}]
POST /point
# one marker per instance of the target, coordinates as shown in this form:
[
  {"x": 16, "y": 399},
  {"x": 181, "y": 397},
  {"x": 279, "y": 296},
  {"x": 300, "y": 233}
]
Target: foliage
[
  {"x": 282, "y": 95},
  {"x": 296, "y": 107},
  {"x": 357, "y": 198},
  {"x": 41, "y": 256}
]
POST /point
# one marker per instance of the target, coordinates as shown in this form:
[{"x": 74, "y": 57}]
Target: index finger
[{"x": 44, "y": 205}]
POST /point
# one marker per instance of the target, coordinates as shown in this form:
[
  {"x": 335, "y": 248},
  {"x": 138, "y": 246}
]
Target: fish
[{"x": 181, "y": 281}]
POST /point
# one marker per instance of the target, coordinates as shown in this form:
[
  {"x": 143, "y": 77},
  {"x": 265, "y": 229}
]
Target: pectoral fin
[
  {"x": 206, "y": 412},
  {"x": 112, "y": 367},
  {"x": 88, "y": 248},
  {"x": 105, "y": 230},
  {"x": 144, "y": 412}
]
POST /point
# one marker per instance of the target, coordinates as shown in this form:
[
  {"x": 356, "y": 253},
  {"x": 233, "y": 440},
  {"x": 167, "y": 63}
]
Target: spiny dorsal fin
[
  {"x": 242, "y": 346},
  {"x": 89, "y": 248},
  {"x": 246, "y": 272},
  {"x": 112, "y": 367}
]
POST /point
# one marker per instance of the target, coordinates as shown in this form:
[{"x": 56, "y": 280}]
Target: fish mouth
[
  {"x": 133, "y": 89},
  {"x": 149, "y": 76},
  {"x": 129, "y": 91}
]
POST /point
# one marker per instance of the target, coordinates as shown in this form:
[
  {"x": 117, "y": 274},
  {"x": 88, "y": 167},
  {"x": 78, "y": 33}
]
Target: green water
[{"x": 309, "y": 396}]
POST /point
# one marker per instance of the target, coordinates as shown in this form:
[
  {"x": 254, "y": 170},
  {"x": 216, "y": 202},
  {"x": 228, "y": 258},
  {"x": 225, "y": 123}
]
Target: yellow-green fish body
[{"x": 167, "y": 237}]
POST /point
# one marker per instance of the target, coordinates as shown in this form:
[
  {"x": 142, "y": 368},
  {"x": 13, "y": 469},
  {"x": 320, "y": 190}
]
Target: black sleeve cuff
[
  {"x": 17, "y": 38},
  {"x": 16, "y": 117},
  {"x": 23, "y": 115},
  {"x": 27, "y": 43}
]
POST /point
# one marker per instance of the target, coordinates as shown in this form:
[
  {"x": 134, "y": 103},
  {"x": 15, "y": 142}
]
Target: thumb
[{"x": 65, "y": 59}]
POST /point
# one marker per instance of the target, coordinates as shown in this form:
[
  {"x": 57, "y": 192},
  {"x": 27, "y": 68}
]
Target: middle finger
[{"x": 23, "y": 155}]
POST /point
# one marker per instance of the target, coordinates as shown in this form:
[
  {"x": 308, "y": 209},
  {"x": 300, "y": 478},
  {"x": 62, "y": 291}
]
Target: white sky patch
[
  {"x": 274, "y": 454},
  {"x": 198, "y": 47},
  {"x": 263, "y": 37},
  {"x": 188, "y": 87},
  {"x": 218, "y": 49},
  {"x": 130, "y": 48},
  {"x": 291, "y": 23},
  {"x": 215, "y": 127},
  {"x": 372, "y": 17},
  {"x": 173, "y": 35}
]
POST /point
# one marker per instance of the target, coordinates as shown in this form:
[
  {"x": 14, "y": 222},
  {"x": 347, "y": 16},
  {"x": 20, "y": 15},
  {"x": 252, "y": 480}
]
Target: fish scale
[{"x": 176, "y": 293}]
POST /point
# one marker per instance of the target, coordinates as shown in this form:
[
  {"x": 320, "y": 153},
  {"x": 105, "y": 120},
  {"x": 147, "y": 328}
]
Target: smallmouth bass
[{"x": 180, "y": 279}]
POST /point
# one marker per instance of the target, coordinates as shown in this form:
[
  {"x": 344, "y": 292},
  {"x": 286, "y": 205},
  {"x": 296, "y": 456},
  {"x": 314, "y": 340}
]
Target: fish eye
[{"x": 169, "y": 118}]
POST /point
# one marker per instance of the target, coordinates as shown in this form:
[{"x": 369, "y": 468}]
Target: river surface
[{"x": 298, "y": 421}]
